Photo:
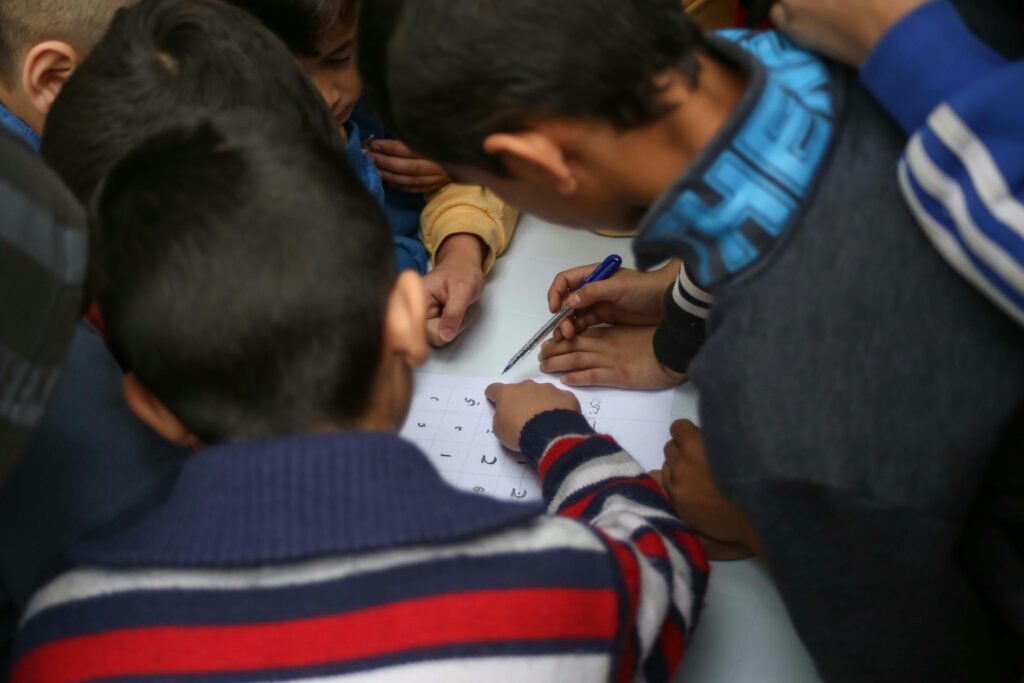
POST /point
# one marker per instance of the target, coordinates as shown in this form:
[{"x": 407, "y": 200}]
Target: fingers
[
  {"x": 395, "y": 148},
  {"x": 460, "y": 297},
  {"x": 607, "y": 291},
  {"x": 564, "y": 283},
  {"x": 572, "y": 362},
  {"x": 412, "y": 183},
  {"x": 405, "y": 166},
  {"x": 589, "y": 341},
  {"x": 494, "y": 392},
  {"x": 684, "y": 431},
  {"x": 594, "y": 377}
]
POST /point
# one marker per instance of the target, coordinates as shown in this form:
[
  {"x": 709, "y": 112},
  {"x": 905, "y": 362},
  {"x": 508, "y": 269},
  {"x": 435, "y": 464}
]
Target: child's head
[
  {"x": 322, "y": 36},
  {"x": 42, "y": 42},
  {"x": 529, "y": 97},
  {"x": 165, "y": 61},
  {"x": 250, "y": 286}
]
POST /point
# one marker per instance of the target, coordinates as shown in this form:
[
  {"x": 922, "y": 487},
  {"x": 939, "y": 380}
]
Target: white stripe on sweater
[
  {"x": 948, "y": 192},
  {"x": 692, "y": 289},
  {"x": 988, "y": 180},
  {"x": 492, "y": 669},
  {"x": 614, "y": 466},
  {"x": 545, "y": 533},
  {"x": 950, "y": 249}
]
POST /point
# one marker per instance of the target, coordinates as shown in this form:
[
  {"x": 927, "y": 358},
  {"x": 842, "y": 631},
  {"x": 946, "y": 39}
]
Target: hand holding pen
[{"x": 610, "y": 266}]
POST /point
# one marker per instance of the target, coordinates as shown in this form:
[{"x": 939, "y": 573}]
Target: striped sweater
[
  {"x": 345, "y": 557},
  {"x": 963, "y": 172}
]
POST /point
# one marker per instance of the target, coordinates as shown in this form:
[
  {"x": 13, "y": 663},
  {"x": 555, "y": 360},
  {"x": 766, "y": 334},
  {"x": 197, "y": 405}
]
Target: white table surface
[{"x": 745, "y": 635}]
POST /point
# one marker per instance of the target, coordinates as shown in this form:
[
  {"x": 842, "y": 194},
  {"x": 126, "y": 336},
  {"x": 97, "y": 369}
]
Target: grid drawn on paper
[{"x": 450, "y": 420}]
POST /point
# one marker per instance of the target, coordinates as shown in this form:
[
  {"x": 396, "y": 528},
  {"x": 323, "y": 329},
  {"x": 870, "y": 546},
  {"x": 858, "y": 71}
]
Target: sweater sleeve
[
  {"x": 963, "y": 171},
  {"x": 467, "y": 209},
  {"x": 682, "y": 331},
  {"x": 663, "y": 567}
]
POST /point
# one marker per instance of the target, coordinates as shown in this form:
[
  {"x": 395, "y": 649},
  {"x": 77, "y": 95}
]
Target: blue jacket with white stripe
[{"x": 963, "y": 172}]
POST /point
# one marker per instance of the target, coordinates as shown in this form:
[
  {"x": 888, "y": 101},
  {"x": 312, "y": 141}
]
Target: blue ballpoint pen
[{"x": 604, "y": 271}]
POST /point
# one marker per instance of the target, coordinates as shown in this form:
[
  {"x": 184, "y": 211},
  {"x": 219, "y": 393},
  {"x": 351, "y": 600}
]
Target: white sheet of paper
[{"x": 450, "y": 420}]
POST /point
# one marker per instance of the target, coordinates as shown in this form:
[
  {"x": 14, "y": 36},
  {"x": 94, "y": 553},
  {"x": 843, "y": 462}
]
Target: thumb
[{"x": 454, "y": 313}]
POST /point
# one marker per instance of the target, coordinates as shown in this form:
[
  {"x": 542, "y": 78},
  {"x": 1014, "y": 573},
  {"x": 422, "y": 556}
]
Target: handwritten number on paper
[
  {"x": 519, "y": 493},
  {"x": 472, "y": 403},
  {"x": 492, "y": 461},
  {"x": 421, "y": 425}
]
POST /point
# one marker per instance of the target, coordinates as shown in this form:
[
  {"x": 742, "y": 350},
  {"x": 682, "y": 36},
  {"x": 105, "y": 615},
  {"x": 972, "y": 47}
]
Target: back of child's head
[
  {"x": 25, "y": 23},
  {"x": 165, "y": 61},
  {"x": 300, "y": 24},
  {"x": 456, "y": 71},
  {"x": 245, "y": 273}
]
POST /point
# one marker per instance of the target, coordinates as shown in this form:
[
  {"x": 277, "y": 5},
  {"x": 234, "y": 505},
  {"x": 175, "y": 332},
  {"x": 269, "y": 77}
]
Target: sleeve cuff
[
  {"x": 679, "y": 337},
  {"x": 466, "y": 220},
  {"x": 542, "y": 430},
  {"x": 923, "y": 61}
]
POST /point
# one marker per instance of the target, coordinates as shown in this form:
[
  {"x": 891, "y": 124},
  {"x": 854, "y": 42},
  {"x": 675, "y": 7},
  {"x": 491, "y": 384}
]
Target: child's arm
[
  {"x": 590, "y": 478},
  {"x": 469, "y": 210},
  {"x": 465, "y": 228}
]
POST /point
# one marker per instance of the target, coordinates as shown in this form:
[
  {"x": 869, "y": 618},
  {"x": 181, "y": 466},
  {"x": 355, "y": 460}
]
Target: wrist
[{"x": 462, "y": 248}]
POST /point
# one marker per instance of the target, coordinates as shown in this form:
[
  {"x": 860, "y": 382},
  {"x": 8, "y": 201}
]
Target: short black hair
[
  {"x": 245, "y": 274},
  {"x": 300, "y": 24},
  {"x": 458, "y": 71},
  {"x": 165, "y": 61}
]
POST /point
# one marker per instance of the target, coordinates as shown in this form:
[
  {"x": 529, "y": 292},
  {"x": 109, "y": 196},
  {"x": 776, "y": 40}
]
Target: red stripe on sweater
[
  {"x": 577, "y": 509},
  {"x": 672, "y": 644},
  {"x": 694, "y": 549},
  {"x": 564, "y": 445},
  {"x": 630, "y": 568},
  {"x": 469, "y": 618},
  {"x": 556, "y": 451},
  {"x": 652, "y": 544}
]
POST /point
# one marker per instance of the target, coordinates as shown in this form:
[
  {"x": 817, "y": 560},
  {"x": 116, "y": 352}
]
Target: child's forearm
[
  {"x": 590, "y": 478},
  {"x": 463, "y": 209}
]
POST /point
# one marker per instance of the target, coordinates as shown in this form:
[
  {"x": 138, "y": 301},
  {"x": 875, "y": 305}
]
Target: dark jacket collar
[
  {"x": 300, "y": 498},
  {"x": 739, "y": 196}
]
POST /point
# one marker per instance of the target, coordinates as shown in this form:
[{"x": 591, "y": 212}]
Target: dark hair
[
  {"x": 300, "y": 24},
  {"x": 458, "y": 71},
  {"x": 245, "y": 273},
  {"x": 165, "y": 61}
]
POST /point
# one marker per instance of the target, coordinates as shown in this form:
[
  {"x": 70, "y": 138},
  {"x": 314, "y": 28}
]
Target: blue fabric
[
  {"x": 925, "y": 60},
  {"x": 741, "y": 194},
  {"x": 12, "y": 123},
  {"x": 90, "y": 464},
  {"x": 295, "y": 498},
  {"x": 402, "y": 212},
  {"x": 963, "y": 173}
]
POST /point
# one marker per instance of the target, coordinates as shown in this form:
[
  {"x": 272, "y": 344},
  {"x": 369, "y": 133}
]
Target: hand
[
  {"x": 455, "y": 284},
  {"x": 403, "y": 169},
  {"x": 621, "y": 357},
  {"x": 627, "y": 298},
  {"x": 847, "y": 30},
  {"x": 686, "y": 478},
  {"x": 517, "y": 404}
]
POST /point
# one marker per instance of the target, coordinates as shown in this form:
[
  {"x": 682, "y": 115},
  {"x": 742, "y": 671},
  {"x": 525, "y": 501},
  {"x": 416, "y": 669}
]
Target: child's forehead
[{"x": 339, "y": 33}]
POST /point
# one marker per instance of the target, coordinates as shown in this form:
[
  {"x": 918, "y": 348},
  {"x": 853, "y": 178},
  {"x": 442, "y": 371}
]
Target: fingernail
[
  {"x": 575, "y": 301},
  {"x": 447, "y": 335}
]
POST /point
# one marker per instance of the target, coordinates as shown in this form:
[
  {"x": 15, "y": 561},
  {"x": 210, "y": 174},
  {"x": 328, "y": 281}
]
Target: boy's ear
[
  {"x": 154, "y": 413},
  {"x": 47, "y": 67},
  {"x": 533, "y": 150},
  {"x": 405, "y": 323}
]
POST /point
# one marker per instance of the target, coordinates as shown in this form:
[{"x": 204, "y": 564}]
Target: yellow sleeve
[{"x": 469, "y": 209}]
